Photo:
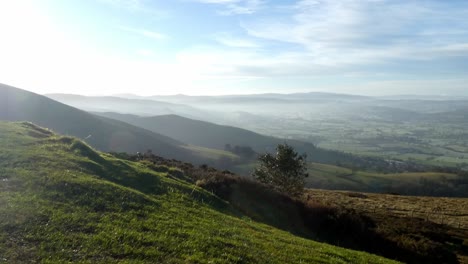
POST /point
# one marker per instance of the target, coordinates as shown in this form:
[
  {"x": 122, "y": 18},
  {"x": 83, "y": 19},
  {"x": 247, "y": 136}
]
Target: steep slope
[
  {"x": 102, "y": 133},
  {"x": 62, "y": 201}
]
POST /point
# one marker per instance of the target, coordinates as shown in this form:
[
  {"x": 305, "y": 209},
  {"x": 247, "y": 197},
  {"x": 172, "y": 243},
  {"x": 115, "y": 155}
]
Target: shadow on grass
[{"x": 401, "y": 239}]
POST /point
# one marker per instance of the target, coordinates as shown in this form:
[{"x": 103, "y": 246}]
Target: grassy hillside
[
  {"x": 407, "y": 238},
  {"x": 102, "y": 133},
  {"x": 62, "y": 201},
  {"x": 412, "y": 183}
]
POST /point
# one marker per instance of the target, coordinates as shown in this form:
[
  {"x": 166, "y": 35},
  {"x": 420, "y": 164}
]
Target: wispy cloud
[
  {"x": 235, "y": 42},
  {"x": 316, "y": 38},
  {"x": 146, "y": 33},
  {"x": 237, "y": 7},
  {"x": 360, "y": 31},
  {"x": 365, "y": 46}
]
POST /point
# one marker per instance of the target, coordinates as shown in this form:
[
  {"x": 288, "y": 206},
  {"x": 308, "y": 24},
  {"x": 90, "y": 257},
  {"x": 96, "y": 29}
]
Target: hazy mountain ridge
[
  {"x": 103, "y": 133},
  {"x": 400, "y": 128},
  {"x": 141, "y": 106}
]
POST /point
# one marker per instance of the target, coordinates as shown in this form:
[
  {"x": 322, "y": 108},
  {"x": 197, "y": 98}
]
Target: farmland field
[{"x": 419, "y": 142}]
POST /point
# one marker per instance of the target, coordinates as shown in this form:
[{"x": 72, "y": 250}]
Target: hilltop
[{"x": 63, "y": 201}]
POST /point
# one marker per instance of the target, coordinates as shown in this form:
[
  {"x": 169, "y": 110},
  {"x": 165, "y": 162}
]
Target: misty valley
[{"x": 402, "y": 144}]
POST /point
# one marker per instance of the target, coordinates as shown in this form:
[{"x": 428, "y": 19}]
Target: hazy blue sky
[{"x": 235, "y": 46}]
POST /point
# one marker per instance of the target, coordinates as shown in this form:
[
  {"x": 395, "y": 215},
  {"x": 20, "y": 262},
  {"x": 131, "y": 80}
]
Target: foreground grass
[{"x": 61, "y": 201}]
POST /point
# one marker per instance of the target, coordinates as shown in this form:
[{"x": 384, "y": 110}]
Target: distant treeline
[{"x": 242, "y": 151}]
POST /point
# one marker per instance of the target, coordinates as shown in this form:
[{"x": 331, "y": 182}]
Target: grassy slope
[
  {"x": 62, "y": 201},
  {"x": 335, "y": 177},
  {"x": 102, "y": 133}
]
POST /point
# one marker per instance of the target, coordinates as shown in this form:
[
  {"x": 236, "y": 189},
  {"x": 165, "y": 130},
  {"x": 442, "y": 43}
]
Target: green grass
[
  {"x": 209, "y": 153},
  {"x": 334, "y": 177},
  {"x": 61, "y": 201}
]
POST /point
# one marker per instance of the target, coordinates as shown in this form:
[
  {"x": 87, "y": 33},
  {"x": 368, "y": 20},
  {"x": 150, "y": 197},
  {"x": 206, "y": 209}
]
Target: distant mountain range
[
  {"x": 137, "y": 134},
  {"x": 100, "y": 132},
  {"x": 220, "y": 109},
  {"x": 140, "y": 106}
]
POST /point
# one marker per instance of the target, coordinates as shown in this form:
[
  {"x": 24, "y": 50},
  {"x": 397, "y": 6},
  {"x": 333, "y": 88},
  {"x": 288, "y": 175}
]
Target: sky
[{"x": 214, "y": 47}]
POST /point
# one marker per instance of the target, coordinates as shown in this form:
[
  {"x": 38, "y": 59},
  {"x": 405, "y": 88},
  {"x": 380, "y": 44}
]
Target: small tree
[{"x": 286, "y": 171}]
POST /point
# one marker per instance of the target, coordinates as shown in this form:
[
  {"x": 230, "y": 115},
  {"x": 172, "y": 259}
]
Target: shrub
[{"x": 286, "y": 171}]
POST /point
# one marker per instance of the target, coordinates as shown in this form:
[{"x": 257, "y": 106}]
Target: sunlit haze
[{"x": 211, "y": 47}]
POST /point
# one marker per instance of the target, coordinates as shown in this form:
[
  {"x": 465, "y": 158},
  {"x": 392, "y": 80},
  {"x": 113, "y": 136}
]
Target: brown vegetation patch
[{"x": 419, "y": 223}]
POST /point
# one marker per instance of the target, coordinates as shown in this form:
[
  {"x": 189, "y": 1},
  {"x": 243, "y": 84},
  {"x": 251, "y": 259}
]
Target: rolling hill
[
  {"x": 62, "y": 201},
  {"x": 102, "y": 133},
  {"x": 211, "y": 135},
  {"x": 197, "y": 132},
  {"x": 324, "y": 173}
]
